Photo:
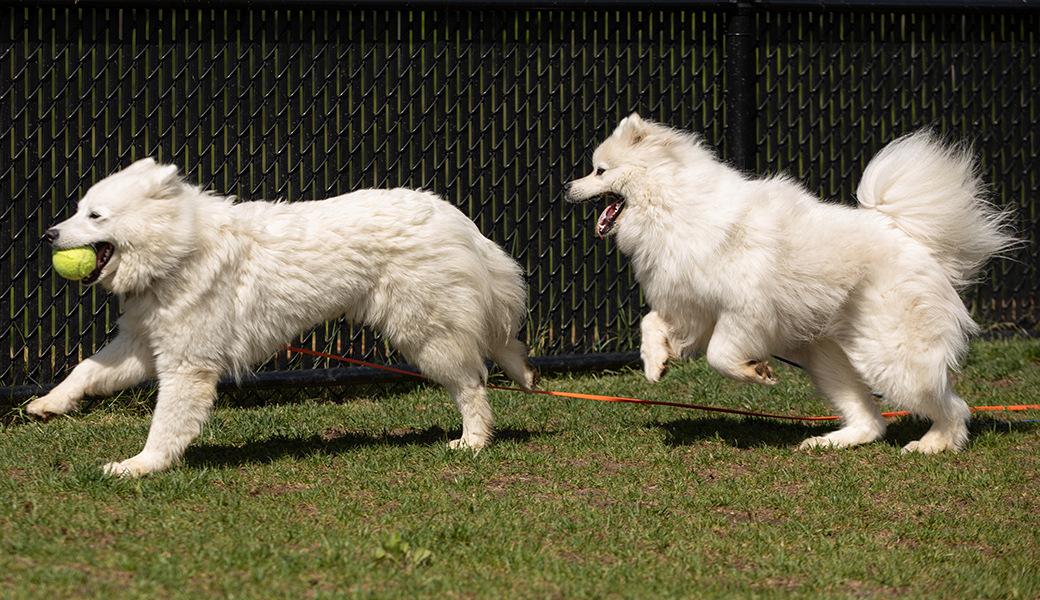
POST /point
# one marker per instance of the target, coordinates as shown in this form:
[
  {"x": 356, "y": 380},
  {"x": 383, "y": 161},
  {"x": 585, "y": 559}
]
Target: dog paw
[
  {"x": 119, "y": 469},
  {"x": 532, "y": 379},
  {"x": 952, "y": 438},
  {"x": 131, "y": 467},
  {"x": 463, "y": 444},
  {"x": 820, "y": 441},
  {"x": 46, "y": 408},
  {"x": 654, "y": 372},
  {"x": 929, "y": 447},
  {"x": 760, "y": 372},
  {"x": 847, "y": 437}
]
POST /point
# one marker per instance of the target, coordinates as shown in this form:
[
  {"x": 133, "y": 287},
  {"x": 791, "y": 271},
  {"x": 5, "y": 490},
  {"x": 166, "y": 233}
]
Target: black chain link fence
[
  {"x": 492, "y": 109},
  {"x": 838, "y": 87}
]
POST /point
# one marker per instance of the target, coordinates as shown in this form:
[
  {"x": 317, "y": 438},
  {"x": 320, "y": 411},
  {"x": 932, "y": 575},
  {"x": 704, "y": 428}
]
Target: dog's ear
[
  {"x": 141, "y": 165},
  {"x": 631, "y": 129},
  {"x": 166, "y": 183}
]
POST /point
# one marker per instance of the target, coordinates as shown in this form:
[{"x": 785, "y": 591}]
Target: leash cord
[{"x": 900, "y": 413}]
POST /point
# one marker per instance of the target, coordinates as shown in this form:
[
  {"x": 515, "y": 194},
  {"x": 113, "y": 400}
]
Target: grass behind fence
[{"x": 314, "y": 499}]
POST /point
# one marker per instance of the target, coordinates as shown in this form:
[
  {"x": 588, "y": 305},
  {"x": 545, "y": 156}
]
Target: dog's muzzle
[{"x": 568, "y": 193}]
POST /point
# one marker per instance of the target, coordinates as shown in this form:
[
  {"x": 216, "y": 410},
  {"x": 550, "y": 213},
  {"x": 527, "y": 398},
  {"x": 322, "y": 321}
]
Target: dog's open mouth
[
  {"x": 607, "y": 220},
  {"x": 104, "y": 254}
]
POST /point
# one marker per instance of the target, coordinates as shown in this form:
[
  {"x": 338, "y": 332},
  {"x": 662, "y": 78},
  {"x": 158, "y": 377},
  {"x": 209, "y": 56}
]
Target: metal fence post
[{"x": 740, "y": 88}]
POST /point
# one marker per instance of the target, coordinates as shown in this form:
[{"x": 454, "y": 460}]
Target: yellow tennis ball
[{"x": 75, "y": 263}]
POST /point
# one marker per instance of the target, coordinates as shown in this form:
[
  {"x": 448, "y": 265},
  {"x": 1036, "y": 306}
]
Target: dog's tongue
[{"x": 606, "y": 220}]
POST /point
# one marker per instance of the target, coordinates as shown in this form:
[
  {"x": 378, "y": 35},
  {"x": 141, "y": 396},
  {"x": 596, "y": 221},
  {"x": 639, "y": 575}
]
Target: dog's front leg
[
  {"x": 184, "y": 403},
  {"x": 126, "y": 360},
  {"x": 656, "y": 347}
]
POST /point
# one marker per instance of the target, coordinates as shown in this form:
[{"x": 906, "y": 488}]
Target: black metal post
[{"x": 740, "y": 88}]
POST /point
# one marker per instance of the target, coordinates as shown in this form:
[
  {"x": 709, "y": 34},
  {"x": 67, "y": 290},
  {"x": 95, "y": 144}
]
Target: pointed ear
[
  {"x": 166, "y": 182},
  {"x": 142, "y": 164},
  {"x": 632, "y": 129}
]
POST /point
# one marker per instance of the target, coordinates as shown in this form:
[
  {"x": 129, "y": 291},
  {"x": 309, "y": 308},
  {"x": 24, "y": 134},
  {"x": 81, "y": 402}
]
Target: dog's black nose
[{"x": 51, "y": 235}]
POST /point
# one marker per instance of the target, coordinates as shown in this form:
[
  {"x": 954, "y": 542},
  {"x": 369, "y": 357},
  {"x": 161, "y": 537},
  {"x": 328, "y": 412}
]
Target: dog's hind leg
[
  {"x": 512, "y": 358},
  {"x": 906, "y": 355},
  {"x": 655, "y": 348},
  {"x": 455, "y": 363},
  {"x": 477, "y": 421},
  {"x": 949, "y": 414},
  {"x": 184, "y": 403},
  {"x": 838, "y": 381},
  {"x": 920, "y": 382}
]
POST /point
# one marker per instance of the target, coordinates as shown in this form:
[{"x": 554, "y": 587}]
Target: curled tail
[{"x": 933, "y": 192}]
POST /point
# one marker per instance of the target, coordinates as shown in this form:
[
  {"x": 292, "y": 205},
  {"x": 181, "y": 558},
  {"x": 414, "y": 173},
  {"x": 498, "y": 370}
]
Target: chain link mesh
[
  {"x": 494, "y": 110},
  {"x": 836, "y": 87}
]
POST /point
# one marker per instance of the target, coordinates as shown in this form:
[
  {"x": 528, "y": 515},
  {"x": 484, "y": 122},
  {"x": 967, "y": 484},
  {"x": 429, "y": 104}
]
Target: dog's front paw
[
  {"x": 759, "y": 371},
  {"x": 531, "y": 379},
  {"x": 48, "y": 407},
  {"x": 126, "y": 468},
  {"x": 656, "y": 349},
  {"x": 656, "y": 361},
  {"x": 820, "y": 441},
  {"x": 655, "y": 370},
  {"x": 131, "y": 467},
  {"x": 848, "y": 436},
  {"x": 464, "y": 444}
]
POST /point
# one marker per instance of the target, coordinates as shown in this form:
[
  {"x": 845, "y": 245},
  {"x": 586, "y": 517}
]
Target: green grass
[{"x": 575, "y": 499}]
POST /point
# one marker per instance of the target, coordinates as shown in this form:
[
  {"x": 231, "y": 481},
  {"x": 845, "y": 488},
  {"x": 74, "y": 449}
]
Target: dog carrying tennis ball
[
  {"x": 74, "y": 263},
  {"x": 209, "y": 285}
]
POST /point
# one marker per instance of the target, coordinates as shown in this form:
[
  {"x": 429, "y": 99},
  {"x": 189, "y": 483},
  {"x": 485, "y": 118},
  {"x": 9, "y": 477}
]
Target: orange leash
[{"x": 899, "y": 413}]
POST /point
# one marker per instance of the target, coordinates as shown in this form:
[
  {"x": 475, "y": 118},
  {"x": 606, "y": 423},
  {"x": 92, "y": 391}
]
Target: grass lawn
[{"x": 575, "y": 498}]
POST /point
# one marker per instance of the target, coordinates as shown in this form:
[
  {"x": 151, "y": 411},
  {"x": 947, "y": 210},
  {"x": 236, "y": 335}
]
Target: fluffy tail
[
  {"x": 508, "y": 296},
  {"x": 932, "y": 192}
]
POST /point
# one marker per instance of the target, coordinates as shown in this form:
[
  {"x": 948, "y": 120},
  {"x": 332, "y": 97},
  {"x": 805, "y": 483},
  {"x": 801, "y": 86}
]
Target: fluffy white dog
[
  {"x": 743, "y": 268},
  {"x": 210, "y": 286}
]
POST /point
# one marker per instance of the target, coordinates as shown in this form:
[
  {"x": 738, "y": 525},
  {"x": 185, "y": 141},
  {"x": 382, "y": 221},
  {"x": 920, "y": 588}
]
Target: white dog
[
  {"x": 743, "y": 268},
  {"x": 211, "y": 286}
]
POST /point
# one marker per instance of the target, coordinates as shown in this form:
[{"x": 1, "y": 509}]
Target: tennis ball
[{"x": 75, "y": 263}]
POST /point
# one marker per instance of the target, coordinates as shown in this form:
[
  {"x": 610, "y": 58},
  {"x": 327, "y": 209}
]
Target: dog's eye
[
  {"x": 95, "y": 216},
  {"x": 600, "y": 171}
]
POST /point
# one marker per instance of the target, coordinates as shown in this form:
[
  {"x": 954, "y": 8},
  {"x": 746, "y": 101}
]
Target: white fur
[
  {"x": 742, "y": 268},
  {"x": 210, "y": 286}
]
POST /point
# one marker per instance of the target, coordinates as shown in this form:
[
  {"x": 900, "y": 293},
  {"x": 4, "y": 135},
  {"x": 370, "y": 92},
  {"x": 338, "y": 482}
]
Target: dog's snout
[
  {"x": 568, "y": 192},
  {"x": 51, "y": 235}
]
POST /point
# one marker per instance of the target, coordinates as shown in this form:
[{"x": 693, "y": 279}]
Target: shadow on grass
[
  {"x": 338, "y": 442},
  {"x": 741, "y": 433},
  {"x": 755, "y": 432},
  {"x": 1003, "y": 427}
]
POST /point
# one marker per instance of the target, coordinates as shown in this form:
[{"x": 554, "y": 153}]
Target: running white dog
[
  {"x": 210, "y": 286},
  {"x": 744, "y": 268}
]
